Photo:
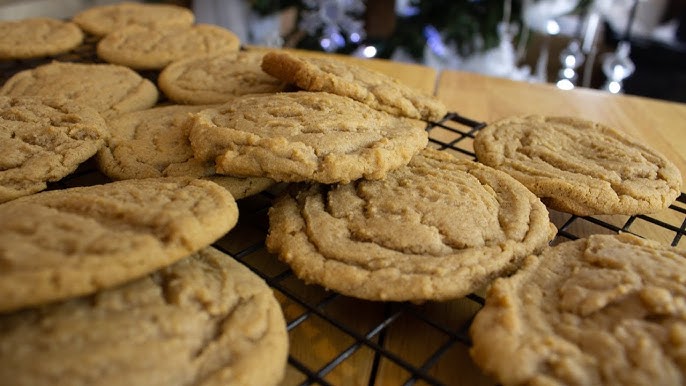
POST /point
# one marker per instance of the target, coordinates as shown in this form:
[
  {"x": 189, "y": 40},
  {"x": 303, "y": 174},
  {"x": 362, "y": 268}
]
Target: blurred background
[{"x": 621, "y": 46}]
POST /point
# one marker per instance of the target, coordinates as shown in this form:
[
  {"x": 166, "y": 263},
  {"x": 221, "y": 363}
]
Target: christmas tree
[{"x": 337, "y": 25}]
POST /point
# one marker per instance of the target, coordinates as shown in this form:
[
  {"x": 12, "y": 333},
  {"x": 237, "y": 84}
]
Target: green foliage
[{"x": 471, "y": 25}]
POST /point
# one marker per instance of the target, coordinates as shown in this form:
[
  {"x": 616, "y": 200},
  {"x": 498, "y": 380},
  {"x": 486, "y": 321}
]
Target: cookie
[
  {"x": 37, "y": 37},
  {"x": 154, "y": 143},
  {"x": 372, "y": 88},
  {"x": 437, "y": 229},
  {"x": 303, "y": 136},
  {"x": 609, "y": 309},
  {"x": 241, "y": 187},
  {"x": 206, "y": 320},
  {"x": 217, "y": 78},
  {"x": 154, "y": 47},
  {"x": 65, "y": 243},
  {"x": 578, "y": 166},
  {"x": 101, "y": 20},
  {"x": 44, "y": 140},
  {"x": 108, "y": 88}
]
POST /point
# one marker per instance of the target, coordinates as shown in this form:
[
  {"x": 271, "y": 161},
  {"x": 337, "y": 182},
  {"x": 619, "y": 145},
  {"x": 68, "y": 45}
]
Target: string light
[
  {"x": 565, "y": 84},
  {"x": 618, "y": 66},
  {"x": 571, "y": 58},
  {"x": 552, "y": 27},
  {"x": 369, "y": 51}
]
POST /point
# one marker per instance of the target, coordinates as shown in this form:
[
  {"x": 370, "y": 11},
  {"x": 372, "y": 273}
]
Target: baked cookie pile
[
  {"x": 601, "y": 310},
  {"x": 123, "y": 274},
  {"x": 118, "y": 283}
]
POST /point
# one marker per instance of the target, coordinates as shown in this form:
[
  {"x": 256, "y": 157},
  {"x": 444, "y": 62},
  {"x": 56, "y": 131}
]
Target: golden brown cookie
[
  {"x": 154, "y": 47},
  {"x": 108, "y": 88},
  {"x": 607, "y": 310},
  {"x": 241, "y": 187},
  {"x": 578, "y": 166},
  {"x": 44, "y": 140},
  {"x": 217, "y": 78},
  {"x": 154, "y": 143},
  {"x": 437, "y": 229},
  {"x": 303, "y": 136},
  {"x": 101, "y": 20},
  {"x": 65, "y": 243},
  {"x": 372, "y": 88},
  {"x": 37, "y": 37},
  {"x": 206, "y": 320}
]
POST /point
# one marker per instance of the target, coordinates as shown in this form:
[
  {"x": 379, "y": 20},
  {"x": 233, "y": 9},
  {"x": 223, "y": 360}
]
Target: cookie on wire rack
[
  {"x": 65, "y": 243},
  {"x": 43, "y": 140},
  {"x": 154, "y": 47},
  {"x": 206, "y": 320},
  {"x": 304, "y": 136},
  {"x": 108, "y": 88},
  {"x": 436, "y": 229},
  {"x": 103, "y": 19},
  {"x": 372, "y": 88},
  {"x": 217, "y": 78},
  {"x": 604, "y": 310},
  {"x": 154, "y": 143},
  {"x": 37, "y": 37},
  {"x": 578, "y": 166}
]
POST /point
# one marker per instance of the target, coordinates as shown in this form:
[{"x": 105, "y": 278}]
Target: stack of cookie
[
  {"x": 118, "y": 283},
  {"x": 121, "y": 277},
  {"x": 119, "y": 274},
  {"x": 346, "y": 127},
  {"x": 370, "y": 210},
  {"x": 602, "y": 310},
  {"x": 607, "y": 309}
]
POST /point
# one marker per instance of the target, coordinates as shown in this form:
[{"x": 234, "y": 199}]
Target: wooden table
[{"x": 343, "y": 341}]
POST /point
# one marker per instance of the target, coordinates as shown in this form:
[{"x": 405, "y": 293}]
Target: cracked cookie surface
[
  {"x": 578, "y": 166},
  {"x": 370, "y": 87},
  {"x": 108, "y": 88},
  {"x": 37, "y": 37},
  {"x": 606, "y": 310},
  {"x": 154, "y": 143},
  {"x": 304, "y": 136},
  {"x": 436, "y": 229},
  {"x": 152, "y": 48},
  {"x": 101, "y": 20},
  {"x": 64, "y": 243},
  {"x": 43, "y": 140},
  {"x": 206, "y": 320},
  {"x": 217, "y": 78}
]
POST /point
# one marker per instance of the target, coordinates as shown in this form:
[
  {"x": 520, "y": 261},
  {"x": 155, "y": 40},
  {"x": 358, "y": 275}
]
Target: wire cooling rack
[{"x": 338, "y": 340}]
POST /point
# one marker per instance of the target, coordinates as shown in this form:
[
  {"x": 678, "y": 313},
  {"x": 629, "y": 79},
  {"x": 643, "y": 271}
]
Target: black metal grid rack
[{"x": 345, "y": 341}]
